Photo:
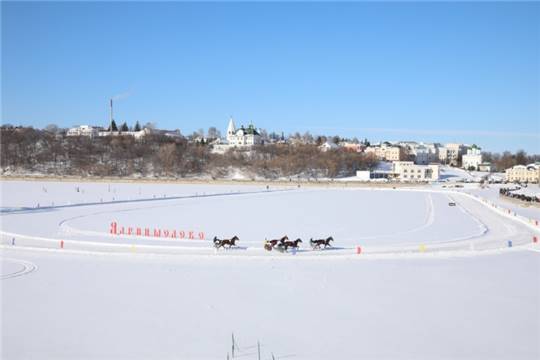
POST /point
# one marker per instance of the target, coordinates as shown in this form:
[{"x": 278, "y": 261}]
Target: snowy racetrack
[
  {"x": 428, "y": 295},
  {"x": 379, "y": 221}
]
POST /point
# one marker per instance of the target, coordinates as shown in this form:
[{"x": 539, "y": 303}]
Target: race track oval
[{"x": 349, "y": 215}]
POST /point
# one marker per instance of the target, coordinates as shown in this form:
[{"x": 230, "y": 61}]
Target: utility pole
[
  {"x": 111, "y": 114},
  {"x": 258, "y": 350},
  {"x": 232, "y": 349}
]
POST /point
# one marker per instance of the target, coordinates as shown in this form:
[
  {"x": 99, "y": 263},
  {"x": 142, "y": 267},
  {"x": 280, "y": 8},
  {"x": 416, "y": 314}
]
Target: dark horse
[
  {"x": 269, "y": 244},
  {"x": 292, "y": 244},
  {"x": 221, "y": 243},
  {"x": 316, "y": 244}
]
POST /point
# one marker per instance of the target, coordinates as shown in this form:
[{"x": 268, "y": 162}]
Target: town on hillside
[{"x": 334, "y": 157}]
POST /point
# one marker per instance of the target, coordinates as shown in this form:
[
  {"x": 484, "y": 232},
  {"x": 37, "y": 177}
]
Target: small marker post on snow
[
  {"x": 358, "y": 250},
  {"x": 509, "y": 243},
  {"x": 13, "y": 241},
  {"x": 535, "y": 239},
  {"x": 61, "y": 244}
]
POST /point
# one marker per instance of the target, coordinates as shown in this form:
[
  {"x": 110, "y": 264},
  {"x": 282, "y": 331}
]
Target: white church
[{"x": 243, "y": 137}]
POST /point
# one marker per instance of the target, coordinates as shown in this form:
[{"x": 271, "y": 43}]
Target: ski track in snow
[
  {"x": 27, "y": 268},
  {"x": 430, "y": 219},
  {"x": 26, "y": 210},
  {"x": 68, "y": 230}
]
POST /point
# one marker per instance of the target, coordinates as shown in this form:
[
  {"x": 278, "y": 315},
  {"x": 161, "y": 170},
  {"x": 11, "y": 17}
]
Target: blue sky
[{"x": 466, "y": 72}]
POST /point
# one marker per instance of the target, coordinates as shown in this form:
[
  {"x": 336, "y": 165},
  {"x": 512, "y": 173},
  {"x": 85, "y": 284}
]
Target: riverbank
[{"x": 199, "y": 181}]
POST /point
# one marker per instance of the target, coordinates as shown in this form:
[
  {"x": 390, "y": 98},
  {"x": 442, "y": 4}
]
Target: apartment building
[
  {"x": 524, "y": 173},
  {"x": 409, "y": 171}
]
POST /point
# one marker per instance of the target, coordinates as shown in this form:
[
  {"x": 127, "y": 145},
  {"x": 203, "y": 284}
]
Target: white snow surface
[
  {"x": 454, "y": 174},
  {"x": 491, "y": 193},
  {"x": 432, "y": 280}
]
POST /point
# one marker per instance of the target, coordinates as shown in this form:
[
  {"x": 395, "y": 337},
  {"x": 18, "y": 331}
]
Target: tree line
[
  {"x": 47, "y": 151},
  {"x": 507, "y": 159}
]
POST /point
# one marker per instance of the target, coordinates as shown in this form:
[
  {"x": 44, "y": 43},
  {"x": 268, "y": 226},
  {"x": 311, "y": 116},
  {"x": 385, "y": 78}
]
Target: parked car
[{"x": 451, "y": 204}]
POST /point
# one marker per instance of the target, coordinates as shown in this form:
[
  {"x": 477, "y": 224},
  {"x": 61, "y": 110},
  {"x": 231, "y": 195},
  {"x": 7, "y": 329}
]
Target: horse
[
  {"x": 230, "y": 242},
  {"x": 275, "y": 241},
  {"x": 316, "y": 244},
  {"x": 293, "y": 244},
  {"x": 327, "y": 241}
]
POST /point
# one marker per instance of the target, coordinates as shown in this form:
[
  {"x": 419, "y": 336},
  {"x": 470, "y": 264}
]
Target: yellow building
[
  {"x": 522, "y": 173},
  {"x": 387, "y": 153},
  {"x": 408, "y": 171}
]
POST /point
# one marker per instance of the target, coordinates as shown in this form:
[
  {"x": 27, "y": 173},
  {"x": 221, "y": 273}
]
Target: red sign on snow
[{"x": 154, "y": 232}]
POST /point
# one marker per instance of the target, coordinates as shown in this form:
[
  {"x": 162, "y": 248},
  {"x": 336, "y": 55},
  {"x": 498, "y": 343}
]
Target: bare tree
[
  {"x": 52, "y": 128},
  {"x": 213, "y": 133},
  {"x": 521, "y": 158},
  {"x": 167, "y": 157},
  {"x": 150, "y": 125}
]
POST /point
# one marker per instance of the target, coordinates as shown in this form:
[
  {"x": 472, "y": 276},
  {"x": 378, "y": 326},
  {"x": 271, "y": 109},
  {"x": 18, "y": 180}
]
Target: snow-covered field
[{"x": 431, "y": 280}]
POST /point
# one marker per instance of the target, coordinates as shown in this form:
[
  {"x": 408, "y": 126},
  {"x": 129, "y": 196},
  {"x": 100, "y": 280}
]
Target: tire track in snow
[
  {"x": 27, "y": 268},
  {"x": 483, "y": 227},
  {"x": 28, "y": 210},
  {"x": 430, "y": 219},
  {"x": 65, "y": 229}
]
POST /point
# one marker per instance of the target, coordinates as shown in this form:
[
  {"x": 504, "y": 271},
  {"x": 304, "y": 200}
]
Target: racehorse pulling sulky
[
  {"x": 223, "y": 242},
  {"x": 316, "y": 244}
]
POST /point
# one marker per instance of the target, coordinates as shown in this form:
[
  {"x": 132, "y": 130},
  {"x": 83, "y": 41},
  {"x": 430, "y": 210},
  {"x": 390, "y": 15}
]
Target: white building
[
  {"x": 363, "y": 175},
  {"x": 328, "y": 146},
  {"x": 488, "y": 167},
  {"x": 93, "y": 131},
  {"x": 240, "y": 138},
  {"x": 472, "y": 159},
  {"x": 84, "y": 130},
  {"x": 243, "y": 136},
  {"x": 425, "y": 154},
  {"x": 408, "y": 171},
  {"x": 450, "y": 153},
  {"x": 135, "y": 134},
  {"x": 169, "y": 133}
]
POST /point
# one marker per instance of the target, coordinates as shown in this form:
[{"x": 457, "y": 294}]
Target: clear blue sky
[{"x": 467, "y": 72}]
